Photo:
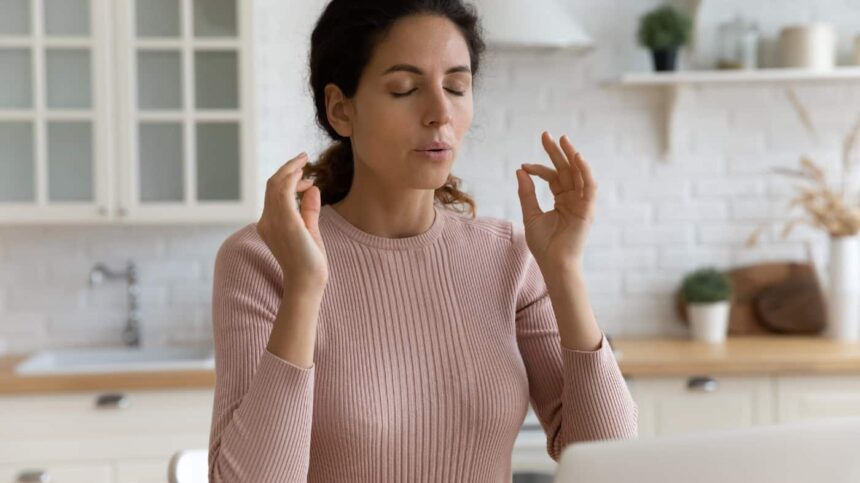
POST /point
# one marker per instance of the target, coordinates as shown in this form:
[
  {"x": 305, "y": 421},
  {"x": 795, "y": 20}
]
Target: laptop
[{"x": 825, "y": 450}]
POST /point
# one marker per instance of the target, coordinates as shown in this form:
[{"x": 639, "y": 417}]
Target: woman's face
[{"x": 416, "y": 90}]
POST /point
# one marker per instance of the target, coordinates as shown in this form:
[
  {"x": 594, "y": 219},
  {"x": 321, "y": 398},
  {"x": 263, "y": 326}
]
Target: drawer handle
[
  {"x": 34, "y": 476},
  {"x": 112, "y": 401},
  {"x": 702, "y": 384}
]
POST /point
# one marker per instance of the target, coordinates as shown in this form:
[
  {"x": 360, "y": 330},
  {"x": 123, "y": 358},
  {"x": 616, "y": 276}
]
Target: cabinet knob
[
  {"x": 122, "y": 211},
  {"x": 103, "y": 211},
  {"x": 702, "y": 384},
  {"x": 33, "y": 476},
  {"x": 112, "y": 400}
]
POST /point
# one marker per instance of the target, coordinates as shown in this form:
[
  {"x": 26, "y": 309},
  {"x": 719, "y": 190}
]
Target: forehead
[{"x": 431, "y": 42}]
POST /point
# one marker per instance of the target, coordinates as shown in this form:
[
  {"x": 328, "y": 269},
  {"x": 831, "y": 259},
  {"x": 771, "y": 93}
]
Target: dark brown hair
[{"x": 341, "y": 46}]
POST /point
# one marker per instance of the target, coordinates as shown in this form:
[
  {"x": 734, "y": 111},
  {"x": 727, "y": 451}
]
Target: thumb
[
  {"x": 310, "y": 208},
  {"x": 528, "y": 198}
]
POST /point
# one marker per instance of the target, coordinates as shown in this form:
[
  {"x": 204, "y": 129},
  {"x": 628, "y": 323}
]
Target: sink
[{"x": 117, "y": 359}]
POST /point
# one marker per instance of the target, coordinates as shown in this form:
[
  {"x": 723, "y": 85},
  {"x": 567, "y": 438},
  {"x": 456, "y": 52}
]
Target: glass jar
[{"x": 738, "y": 44}]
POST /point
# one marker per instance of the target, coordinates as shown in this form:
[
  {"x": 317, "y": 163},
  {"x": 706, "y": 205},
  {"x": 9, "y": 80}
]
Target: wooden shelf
[
  {"x": 678, "y": 85},
  {"x": 737, "y": 76}
]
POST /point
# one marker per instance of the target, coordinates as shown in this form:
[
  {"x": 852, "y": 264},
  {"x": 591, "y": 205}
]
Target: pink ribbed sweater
[{"x": 429, "y": 349}]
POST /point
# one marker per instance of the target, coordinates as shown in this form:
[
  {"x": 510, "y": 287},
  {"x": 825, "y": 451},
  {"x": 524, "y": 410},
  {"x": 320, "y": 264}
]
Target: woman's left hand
[{"x": 556, "y": 238}]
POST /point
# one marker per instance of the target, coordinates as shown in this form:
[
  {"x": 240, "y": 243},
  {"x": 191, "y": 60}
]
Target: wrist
[
  {"x": 303, "y": 289},
  {"x": 563, "y": 274}
]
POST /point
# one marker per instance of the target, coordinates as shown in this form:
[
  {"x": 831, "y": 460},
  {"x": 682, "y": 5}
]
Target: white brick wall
[{"x": 655, "y": 220}]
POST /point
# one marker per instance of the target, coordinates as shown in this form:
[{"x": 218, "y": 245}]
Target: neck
[{"x": 389, "y": 217}]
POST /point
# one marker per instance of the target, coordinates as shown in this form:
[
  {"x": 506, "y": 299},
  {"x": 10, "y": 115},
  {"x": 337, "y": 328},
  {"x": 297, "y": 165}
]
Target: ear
[{"x": 338, "y": 110}]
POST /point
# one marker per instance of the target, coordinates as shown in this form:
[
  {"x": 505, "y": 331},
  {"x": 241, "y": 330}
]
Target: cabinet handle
[
  {"x": 33, "y": 476},
  {"x": 103, "y": 211},
  {"x": 112, "y": 401},
  {"x": 122, "y": 211},
  {"x": 702, "y": 384}
]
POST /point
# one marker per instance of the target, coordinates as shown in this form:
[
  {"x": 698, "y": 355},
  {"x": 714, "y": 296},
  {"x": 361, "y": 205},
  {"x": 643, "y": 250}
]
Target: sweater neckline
[{"x": 416, "y": 241}]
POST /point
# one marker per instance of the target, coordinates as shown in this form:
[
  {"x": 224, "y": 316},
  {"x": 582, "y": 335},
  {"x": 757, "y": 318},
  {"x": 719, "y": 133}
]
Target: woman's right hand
[{"x": 291, "y": 234}]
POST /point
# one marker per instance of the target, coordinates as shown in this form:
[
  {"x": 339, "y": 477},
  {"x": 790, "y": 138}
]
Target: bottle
[{"x": 749, "y": 46}]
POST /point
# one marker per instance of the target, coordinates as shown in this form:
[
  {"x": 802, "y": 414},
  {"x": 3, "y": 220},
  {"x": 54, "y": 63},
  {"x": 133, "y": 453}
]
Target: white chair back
[{"x": 189, "y": 466}]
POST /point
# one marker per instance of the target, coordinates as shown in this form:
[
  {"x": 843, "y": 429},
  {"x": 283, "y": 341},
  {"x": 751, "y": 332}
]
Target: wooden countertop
[
  {"x": 657, "y": 356},
  {"x": 747, "y": 355},
  {"x": 11, "y": 383}
]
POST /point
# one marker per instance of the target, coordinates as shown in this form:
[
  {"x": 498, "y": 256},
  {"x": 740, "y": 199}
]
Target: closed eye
[{"x": 404, "y": 94}]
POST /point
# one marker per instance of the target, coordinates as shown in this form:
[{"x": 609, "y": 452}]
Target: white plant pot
[
  {"x": 709, "y": 322},
  {"x": 843, "y": 291}
]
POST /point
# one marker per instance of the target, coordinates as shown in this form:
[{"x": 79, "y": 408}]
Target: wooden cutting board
[{"x": 772, "y": 297}]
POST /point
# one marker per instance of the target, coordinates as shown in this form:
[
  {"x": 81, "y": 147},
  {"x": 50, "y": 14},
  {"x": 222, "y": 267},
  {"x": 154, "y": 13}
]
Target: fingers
[
  {"x": 559, "y": 160},
  {"x": 304, "y": 184},
  {"x": 576, "y": 162},
  {"x": 547, "y": 174},
  {"x": 528, "y": 198},
  {"x": 290, "y": 185},
  {"x": 310, "y": 211},
  {"x": 290, "y": 165}
]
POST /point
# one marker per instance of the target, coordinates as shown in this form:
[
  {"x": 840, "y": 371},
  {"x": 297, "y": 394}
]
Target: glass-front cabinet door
[
  {"x": 129, "y": 111},
  {"x": 186, "y": 105},
  {"x": 54, "y": 129}
]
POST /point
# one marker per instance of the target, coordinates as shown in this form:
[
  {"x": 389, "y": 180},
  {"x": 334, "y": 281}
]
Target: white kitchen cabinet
[
  {"x": 141, "y": 471},
  {"x": 815, "y": 397},
  {"x": 673, "y": 405},
  {"x": 127, "y": 435},
  {"x": 56, "y": 473},
  {"x": 126, "y": 111}
]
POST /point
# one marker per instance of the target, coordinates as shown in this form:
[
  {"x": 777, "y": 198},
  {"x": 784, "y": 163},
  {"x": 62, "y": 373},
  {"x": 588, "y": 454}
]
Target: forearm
[
  {"x": 295, "y": 328},
  {"x": 577, "y": 326}
]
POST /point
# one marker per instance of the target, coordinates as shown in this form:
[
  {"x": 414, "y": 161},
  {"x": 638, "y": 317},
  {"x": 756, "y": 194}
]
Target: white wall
[{"x": 655, "y": 220}]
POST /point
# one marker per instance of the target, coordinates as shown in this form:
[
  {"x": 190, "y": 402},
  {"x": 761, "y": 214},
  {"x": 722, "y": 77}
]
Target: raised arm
[
  {"x": 268, "y": 285},
  {"x": 577, "y": 395}
]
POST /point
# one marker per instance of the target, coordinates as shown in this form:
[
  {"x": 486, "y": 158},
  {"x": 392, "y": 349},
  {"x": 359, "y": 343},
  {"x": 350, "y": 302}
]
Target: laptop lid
[{"x": 823, "y": 450}]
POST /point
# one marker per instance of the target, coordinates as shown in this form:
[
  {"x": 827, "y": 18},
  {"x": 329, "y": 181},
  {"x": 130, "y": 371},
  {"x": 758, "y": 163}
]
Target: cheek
[{"x": 463, "y": 118}]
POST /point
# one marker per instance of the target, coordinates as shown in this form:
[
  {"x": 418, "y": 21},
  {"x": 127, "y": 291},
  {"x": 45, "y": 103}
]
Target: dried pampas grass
[{"x": 825, "y": 208}]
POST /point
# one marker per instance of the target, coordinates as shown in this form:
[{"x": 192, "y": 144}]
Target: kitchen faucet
[{"x": 131, "y": 332}]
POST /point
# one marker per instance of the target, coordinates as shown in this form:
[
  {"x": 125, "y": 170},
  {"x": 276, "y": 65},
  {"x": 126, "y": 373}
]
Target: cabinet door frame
[
  {"x": 799, "y": 394},
  {"x": 649, "y": 392},
  {"x": 189, "y": 210},
  {"x": 41, "y": 210}
]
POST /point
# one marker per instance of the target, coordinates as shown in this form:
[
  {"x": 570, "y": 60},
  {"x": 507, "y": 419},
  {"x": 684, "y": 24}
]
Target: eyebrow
[{"x": 415, "y": 70}]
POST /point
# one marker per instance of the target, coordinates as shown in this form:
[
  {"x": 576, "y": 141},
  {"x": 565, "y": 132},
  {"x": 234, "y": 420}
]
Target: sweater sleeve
[
  {"x": 577, "y": 395},
  {"x": 261, "y": 419}
]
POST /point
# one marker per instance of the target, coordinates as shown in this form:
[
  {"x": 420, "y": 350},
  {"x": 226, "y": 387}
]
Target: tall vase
[{"x": 843, "y": 295}]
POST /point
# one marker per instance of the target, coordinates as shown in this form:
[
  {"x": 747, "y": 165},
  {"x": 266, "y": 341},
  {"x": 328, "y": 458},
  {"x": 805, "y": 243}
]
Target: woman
[{"x": 373, "y": 334}]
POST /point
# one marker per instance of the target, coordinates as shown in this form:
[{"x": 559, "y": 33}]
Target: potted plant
[
  {"x": 707, "y": 293},
  {"x": 664, "y": 30}
]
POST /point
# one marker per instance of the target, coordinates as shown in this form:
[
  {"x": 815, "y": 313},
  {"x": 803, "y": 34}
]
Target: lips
[{"x": 435, "y": 146}]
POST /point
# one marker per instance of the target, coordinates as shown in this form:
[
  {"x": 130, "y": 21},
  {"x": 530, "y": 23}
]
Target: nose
[{"x": 438, "y": 111}]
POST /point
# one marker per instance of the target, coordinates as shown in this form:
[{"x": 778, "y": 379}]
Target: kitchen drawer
[
  {"x": 103, "y": 446},
  {"x": 57, "y": 473},
  {"x": 673, "y": 405},
  {"x": 69, "y": 427},
  {"x": 104, "y": 412},
  {"x": 816, "y": 397}
]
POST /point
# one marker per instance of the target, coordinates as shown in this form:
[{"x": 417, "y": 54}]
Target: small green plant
[
  {"x": 664, "y": 28},
  {"x": 706, "y": 285}
]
